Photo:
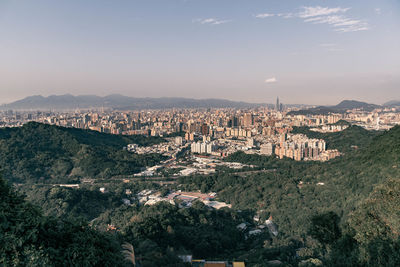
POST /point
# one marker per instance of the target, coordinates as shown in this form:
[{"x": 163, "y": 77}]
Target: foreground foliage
[{"x": 27, "y": 238}]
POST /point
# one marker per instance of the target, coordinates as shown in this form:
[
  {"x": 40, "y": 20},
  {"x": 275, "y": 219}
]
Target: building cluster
[
  {"x": 203, "y": 147},
  {"x": 215, "y": 131},
  {"x": 330, "y": 128},
  {"x": 213, "y": 121},
  {"x": 193, "y": 164},
  {"x": 299, "y": 147},
  {"x": 183, "y": 199},
  {"x": 210, "y": 263},
  {"x": 169, "y": 149}
]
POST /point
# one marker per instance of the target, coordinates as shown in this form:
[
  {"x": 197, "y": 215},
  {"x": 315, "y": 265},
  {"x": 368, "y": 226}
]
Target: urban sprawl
[{"x": 215, "y": 133}]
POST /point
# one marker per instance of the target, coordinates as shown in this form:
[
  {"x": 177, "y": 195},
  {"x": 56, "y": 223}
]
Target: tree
[
  {"x": 27, "y": 238},
  {"x": 325, "y": 227},
  {"x": 129, "y": 253}
]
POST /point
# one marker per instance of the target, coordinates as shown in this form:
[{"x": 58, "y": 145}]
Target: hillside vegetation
[
  {"x": 342, "y": 107},
  {"x": 296, "y": 192},
  {"x": 347, "y": 140},
  {"x": 344, "y": 212},
  {"x": 45, "y": 153},
  {"x": 28, "y": 238}
]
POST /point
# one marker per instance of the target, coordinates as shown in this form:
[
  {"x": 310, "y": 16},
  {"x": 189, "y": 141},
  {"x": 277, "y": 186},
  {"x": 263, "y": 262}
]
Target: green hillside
[
  {"x": 158, "y": 233},
  {"x": 346, "y": 179},
  {"x": 45, "y": 153},
  {"x": 343, "y": 212},
  {"x": 28, "y": 238},
  {"x": 345, "y": 141},
  {"x": 296, "y": 191}
]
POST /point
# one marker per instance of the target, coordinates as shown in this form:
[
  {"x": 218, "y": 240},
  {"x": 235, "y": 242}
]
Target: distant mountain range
[
  {"x": 116, "y": 101},
  {"x": 68, "y": 102},
  {"x": 339, "y": 108},
  {"x": 392, "y": 103}
]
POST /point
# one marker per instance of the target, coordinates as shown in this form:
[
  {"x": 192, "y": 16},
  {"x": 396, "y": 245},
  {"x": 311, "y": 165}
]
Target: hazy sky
[{"x": 313, "y": 52}]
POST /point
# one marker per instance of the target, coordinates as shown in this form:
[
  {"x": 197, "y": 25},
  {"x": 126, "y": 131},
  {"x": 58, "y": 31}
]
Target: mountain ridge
[
  {"x": 392, "y": 103},
  {"x": 117, "y": 101},
  {"x": 342, "y": 107}
]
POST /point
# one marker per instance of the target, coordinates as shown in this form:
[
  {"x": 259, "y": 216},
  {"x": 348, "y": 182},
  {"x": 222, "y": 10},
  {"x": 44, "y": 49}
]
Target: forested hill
[
  {"x": 334, "y": 193},
  {"x": 347, "y": 140},
  {"x": 343, "y": 212},
  {"x": 45, "y": 153},
  {"x": 28, "y": 238},
  {"x": 347, "y": 179},
  {"x": 342, "y": 107}
]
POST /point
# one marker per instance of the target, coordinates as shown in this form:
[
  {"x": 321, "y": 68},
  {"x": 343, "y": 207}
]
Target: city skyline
[{"x": 313, "y": 52}]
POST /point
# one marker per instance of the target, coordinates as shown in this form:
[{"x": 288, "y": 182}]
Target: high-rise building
[
  {"x": 206, "y": 138},
  {"x": 179, "y": 127},
  {"x": 267, "y": 149},
  {"x": 233, "y": 122},
  {"x": 282, "y": 138},
  {"x": 202, "y": 148},
  {"x": 189, "y": 136},
  {"x": 250, "y": 142},
  {"x": 248, "y": 119},
  {"x": 277, "y": 105},
  {"x": 204, "y": 129},
  {"x": 298, "y": 154},
  {"x": 178, "y": 140}
]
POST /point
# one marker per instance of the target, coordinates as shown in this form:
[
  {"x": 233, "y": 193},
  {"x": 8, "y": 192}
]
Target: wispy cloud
[
  {"x": 271, "y": 80},
  {"x": 378, "y": 11},
  {"x": 268, "y": 15},
  {"x": 340, "y": 23},
  {"x": 286, "y": 15},
  {"x": 310, "y": 11},
  {"x": 211, "y": 21},
  {"x": 334, "y": 16},
  {"x": 264, "y": 15}
]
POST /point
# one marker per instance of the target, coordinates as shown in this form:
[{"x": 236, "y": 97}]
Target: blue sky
[{"x": 312, "y": 52}]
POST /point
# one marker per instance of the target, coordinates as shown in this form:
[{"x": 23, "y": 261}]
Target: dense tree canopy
[
  {"x": 343, "y": 212},
  {"x": 345, "y": 141},
  {"x": 46, "y": 153},
  {"x": 27, "y": 238}
]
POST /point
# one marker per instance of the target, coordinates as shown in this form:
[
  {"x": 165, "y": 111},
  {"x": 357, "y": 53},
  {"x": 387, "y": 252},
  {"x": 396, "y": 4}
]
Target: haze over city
[{"x": 310, "y": 52}]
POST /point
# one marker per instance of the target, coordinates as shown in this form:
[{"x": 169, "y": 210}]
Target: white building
[
  {"x": 178, "y": 140},
  {"x": 267, "y": 149},
  {"x": 202, "y": 148}
]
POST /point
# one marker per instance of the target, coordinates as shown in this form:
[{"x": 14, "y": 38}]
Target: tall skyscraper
[
  {"x": 204, "y": 129},
  {"x": 233, "y": 122},
  {"x": 277, "y": 106}
]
